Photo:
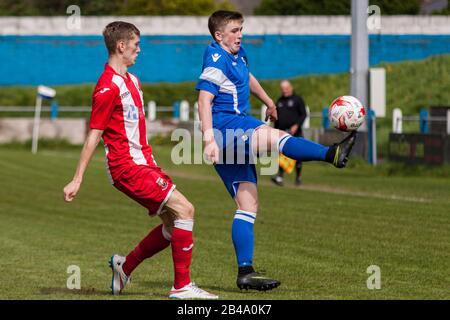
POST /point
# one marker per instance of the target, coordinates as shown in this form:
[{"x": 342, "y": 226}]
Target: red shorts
[{"x": 149, "y": 186}]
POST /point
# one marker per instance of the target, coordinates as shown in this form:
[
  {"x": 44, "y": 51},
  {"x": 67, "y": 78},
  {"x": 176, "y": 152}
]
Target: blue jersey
[{"x": 227, "y": 77}]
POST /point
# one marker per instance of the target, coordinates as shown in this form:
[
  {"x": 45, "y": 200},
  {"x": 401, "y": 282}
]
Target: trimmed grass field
[{"x": 318, "y": 240}]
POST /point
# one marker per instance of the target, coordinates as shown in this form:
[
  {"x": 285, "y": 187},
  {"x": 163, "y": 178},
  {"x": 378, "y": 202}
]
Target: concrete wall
[
  {"x": 21, "y": 129},
  {"x": 253, "y": 25},
  {"x": 42, "y": 50},
  {"x": 72, "y": 130}
]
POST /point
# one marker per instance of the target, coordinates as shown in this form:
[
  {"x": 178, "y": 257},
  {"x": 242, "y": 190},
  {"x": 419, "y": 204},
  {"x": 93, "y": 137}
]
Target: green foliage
[
  {"x": 172, "y": 7},
  {"x": 392, "y": 7},
  {"x": 333, "y": 7},
  {"x": 113, "y": 7},
  {"x": 445, "y": 11},
  {"x": 303, "y": 7}
]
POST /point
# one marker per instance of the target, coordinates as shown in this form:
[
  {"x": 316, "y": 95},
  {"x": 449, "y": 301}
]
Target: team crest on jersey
[
  {"x": 133, "y": 113},
  {"x": 162, "y": 183}
]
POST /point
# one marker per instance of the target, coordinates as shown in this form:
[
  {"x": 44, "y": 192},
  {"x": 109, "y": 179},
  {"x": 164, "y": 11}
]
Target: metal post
[
  {"x": 196, "y": 114},
  {"x": 176, "y": 110},
  {"x": 184, "y": 110},
  {"x": 360, "y": 53},
  {"x": 151, "y": 111},
  {"x": 325, "y": 120},
  {"x": 37, "y": 118},
  {"x": 54, "y": 110},
  {"x": 448, "y": 121},
  {"x": 371, "y": 126},
  {"x": 43, "y": 92},
  {"x": 423, "y": 116},
  {"x": 307, "y": 123},
  {"x": 263, "y": 114},
  {"x": 397, "y": 121}
]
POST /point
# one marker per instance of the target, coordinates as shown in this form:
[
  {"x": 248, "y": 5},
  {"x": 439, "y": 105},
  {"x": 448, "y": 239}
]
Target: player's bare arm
[
  {"x": 205, "y": 99},
  {"x": 257, "y": 90},
  {"x": 92, "y": 140}
]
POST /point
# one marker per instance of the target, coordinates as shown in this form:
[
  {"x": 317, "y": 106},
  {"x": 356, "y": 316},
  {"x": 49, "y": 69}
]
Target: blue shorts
[{"x": 233, "y": 136}]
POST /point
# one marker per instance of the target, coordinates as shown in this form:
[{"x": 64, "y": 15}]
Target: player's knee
[
  {"x": 249, "y": 207},
  {"x": 187, "y": 212}
]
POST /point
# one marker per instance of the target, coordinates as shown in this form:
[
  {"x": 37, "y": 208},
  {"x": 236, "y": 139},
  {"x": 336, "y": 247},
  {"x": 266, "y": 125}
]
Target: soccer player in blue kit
[{"x": 224, "y": 89}]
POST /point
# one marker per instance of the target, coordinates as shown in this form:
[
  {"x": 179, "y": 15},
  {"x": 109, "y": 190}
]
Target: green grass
[{"x": 318, "y": 239}]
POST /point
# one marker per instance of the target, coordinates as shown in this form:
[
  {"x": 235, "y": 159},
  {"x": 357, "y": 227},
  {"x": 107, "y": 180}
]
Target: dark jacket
[{"x": 291, "y": 110}]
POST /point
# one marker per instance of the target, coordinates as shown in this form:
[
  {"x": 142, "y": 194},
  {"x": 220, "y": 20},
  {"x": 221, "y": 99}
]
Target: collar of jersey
[
  {"x": 216, "y": 45},
  {"x": 110, "y": 69}
]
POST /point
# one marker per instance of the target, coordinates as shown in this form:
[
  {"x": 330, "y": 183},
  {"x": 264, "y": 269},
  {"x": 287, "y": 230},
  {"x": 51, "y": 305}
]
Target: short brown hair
[
  {"x": 118, "y": 31},
  {"x": 219, "y": 19}
]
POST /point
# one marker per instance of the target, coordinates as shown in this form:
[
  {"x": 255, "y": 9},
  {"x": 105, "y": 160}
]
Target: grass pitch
[{"x": 318, "y": 240}]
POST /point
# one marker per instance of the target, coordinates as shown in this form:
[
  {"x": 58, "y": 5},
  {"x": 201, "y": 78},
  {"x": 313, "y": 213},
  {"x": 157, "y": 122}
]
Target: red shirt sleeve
[{"x": 103, "y": 103}]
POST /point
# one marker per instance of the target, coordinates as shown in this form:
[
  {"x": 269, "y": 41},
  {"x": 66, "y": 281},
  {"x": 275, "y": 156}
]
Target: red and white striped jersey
[{"x": 117, "y": 108}]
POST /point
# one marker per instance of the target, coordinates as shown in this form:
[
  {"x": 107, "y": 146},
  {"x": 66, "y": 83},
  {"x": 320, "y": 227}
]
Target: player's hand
[
  {"x": 271, "y": 114},
  {"x": 211, "y": 152},
  {"x": 293, "y": 130},
  {"x": 71, "y": 190}
]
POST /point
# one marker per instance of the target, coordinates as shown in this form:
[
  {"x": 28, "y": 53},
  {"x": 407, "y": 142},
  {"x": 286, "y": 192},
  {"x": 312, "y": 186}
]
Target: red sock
[
  {"x": 153, "y": 243},
  {"x": 182, "y": 244}
]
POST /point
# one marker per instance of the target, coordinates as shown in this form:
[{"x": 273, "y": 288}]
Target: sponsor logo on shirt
[
  {"x": 125, "y": 94},
  {"x": 215, "y": 57},
  {"x": 133, "y": 113}
]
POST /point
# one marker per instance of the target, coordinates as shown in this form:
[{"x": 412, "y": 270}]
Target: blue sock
[
  {"x": 242, "y": 235},
  {"x": 301, "y": 149}
]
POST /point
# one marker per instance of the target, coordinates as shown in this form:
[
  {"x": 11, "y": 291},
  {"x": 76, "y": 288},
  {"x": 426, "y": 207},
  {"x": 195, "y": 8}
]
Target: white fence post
[
  {"x": 448, "y": 121},
  {"x": 151, "y": 111},
  {"x": 307, "y": 123},
  {"x": 263, "y": 113},
  {"x": 196, "y": 115},
  {"x": 184, "y": 111},
  {"x": 397, "y": 121}
]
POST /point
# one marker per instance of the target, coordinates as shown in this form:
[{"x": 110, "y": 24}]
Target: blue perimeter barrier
[{"x": 56, "y": 60}]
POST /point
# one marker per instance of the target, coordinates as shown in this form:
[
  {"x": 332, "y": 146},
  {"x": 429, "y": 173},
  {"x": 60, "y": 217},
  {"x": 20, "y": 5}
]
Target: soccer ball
[{"x": 346, "y": 113}]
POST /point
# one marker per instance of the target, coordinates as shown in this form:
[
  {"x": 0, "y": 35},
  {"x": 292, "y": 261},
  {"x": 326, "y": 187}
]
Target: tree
[
  {"x": 112, "y": 7},
  {"x": 392, "y": 7},
  {"x": 171, "y": 7},
  {"x": 332, "y": 7},
  {"x": 303, "y": 7}
]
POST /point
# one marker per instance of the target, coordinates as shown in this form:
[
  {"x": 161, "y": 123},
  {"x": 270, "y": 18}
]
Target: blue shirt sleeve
[{"x": 213, "y": 71}]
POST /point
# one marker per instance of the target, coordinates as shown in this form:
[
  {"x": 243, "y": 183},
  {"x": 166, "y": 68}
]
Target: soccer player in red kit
[{"x": 118, "y": 118}]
